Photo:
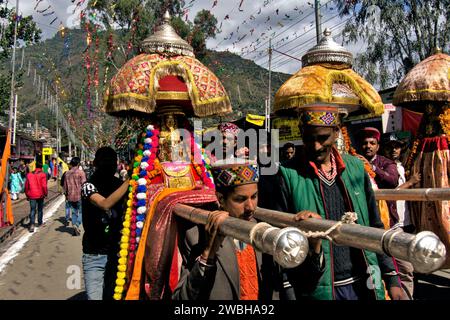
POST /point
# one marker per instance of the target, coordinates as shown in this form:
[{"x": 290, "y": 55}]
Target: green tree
[
  {"x": 27, "y": 33},
  {"x": 27, "y": 30},
  {"x": 206, "y": 22},
  {"x": 398, "y": 34}
]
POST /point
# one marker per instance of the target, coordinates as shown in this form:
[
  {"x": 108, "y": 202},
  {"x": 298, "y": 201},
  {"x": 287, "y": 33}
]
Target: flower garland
[
  {"x": 145, "y": 168},
  {"x": 352, "y": 151},
  {"x": 410, "y": 161},
  {"x": 444, "y": 119}
]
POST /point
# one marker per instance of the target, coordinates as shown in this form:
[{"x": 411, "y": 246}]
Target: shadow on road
[
  {"x": 79, "y": 296},
  {"x": 431, "y": 287},
  {"x": 63, "y": 227}
]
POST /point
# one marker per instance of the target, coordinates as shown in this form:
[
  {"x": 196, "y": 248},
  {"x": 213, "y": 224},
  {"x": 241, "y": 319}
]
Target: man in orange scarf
[{"x": 218, "y": 267}]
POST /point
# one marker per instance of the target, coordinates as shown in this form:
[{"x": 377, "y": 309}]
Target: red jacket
[{"x": 36, "y": 185}]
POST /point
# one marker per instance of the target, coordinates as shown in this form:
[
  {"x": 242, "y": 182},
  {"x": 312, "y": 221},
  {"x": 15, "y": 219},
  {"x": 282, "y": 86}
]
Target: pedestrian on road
[
  {"x": 46, "y": 169},
  {"x": 16, "y": 184},
  {"x": 103, "y": 208},
  {"x": 36, "y": 190},
  {"x": 73, "y": 179}
]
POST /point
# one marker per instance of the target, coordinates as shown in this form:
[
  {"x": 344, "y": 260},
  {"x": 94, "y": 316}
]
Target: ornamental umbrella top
[
  {"x": 166, "y": 73},
  {"x": 427, "y": 81},
  {"x": 327, "y": 77}
]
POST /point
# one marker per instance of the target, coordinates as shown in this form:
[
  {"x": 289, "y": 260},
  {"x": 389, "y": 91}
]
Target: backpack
[{"x": 62, "y": 179}]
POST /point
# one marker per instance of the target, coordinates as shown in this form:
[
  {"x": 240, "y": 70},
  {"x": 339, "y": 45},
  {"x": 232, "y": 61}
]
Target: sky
[{"x": 245, "y": 25}]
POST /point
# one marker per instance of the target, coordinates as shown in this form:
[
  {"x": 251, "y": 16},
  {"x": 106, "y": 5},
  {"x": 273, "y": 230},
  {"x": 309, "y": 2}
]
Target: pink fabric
[{"x": 229, "y": 127}]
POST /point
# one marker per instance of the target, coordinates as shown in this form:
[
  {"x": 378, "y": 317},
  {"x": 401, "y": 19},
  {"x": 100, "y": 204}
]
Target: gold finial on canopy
[{"x": 166, "y": 41}]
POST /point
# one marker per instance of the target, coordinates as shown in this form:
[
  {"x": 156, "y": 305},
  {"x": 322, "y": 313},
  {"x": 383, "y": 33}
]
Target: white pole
[
  {"x": 13, "y": 72},
  {"x": 23, "y": 56},
  {"x": 15, "y": 121}
]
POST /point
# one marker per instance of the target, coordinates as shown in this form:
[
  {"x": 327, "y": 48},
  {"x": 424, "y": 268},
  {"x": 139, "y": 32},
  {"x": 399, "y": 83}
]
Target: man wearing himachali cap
[
  {"x": 322, "y": 181},
  {"x": 218, "y": 267}
]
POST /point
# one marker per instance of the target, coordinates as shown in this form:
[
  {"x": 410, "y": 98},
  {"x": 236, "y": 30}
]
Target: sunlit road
[{"x": 45, "y": 264}]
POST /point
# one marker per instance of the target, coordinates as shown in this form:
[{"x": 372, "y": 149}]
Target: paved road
[
  {"x": 46, "y": 264},
  {"x": 43, "y": 265}
]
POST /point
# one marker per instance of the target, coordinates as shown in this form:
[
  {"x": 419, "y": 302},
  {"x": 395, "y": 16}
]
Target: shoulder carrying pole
[
  {"x": 424, "y": 250},
  {"x": 288, "y": 246}
]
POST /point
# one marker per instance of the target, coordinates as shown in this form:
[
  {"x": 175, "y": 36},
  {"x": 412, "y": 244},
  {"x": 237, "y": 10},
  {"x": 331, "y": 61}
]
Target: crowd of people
[{"x": 312, "y": 181}]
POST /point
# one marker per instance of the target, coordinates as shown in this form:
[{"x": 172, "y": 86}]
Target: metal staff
[
  {"x": 289, "y": 246},
  {"x": 423, "y": 194},
  {"x": 424, "y": 250}
]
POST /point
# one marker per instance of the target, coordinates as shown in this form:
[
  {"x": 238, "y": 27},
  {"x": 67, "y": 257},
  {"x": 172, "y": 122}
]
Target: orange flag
[
  {"x": 4, "y": 170},
  {"x": 9, "y": 211},
  {"x": 5, "y": 156}
]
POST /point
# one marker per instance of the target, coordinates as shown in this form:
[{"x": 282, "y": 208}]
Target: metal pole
[
  {"x": 23, "y": 57},
  {"x": 288, "y": 246},
  {"x": 270, "y": 86},
  {"x": 15, "y": 121},
  {"x": 424, "y": 250},
  {"x": 13, "y": 73},
  {"x": 422, "y": 194},
  {"x": 318, "y": 23}
]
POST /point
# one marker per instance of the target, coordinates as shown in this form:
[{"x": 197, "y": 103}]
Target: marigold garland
[
  {"x": 145, "y": 168},
  {"x": 444, "y": 119},
  {"x": 410, "y": 161},
  {"x": 352, "y": 151}
]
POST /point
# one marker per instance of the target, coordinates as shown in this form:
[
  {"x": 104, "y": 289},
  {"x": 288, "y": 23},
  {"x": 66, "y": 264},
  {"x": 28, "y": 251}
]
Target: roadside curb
[{"x": 21, "y": 222}]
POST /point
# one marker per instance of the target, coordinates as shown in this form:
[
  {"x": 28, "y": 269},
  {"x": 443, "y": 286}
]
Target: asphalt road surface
[{"x": 44, "y": 265}]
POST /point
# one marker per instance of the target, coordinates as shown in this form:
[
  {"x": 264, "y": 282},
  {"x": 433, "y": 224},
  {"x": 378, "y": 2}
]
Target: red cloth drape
[{"x": 411, "y": 121}]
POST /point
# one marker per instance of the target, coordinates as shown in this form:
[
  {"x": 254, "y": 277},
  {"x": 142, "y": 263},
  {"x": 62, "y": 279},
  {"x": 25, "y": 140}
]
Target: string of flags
[{"x": 45, "y": 11}]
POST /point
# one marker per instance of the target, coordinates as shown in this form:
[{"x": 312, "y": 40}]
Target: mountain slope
[{"x": 62, "y": 63}]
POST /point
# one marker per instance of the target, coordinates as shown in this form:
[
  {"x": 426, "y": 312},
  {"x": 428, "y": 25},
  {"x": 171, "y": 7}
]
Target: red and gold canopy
[
  {"x": 168, "y": 73},
  {"x": 427, "y": 81}
]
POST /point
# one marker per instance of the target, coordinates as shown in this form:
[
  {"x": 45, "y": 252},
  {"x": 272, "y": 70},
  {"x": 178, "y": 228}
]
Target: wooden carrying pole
[
  {"x": 424, "y": 194},
  {"x": 424, "y": 250}
]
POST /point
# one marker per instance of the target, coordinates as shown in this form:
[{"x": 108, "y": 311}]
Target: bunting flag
[
  {"x": 240, "y": 5},
  {"x": 42, "y": 11},
  {"x": 37, "y": 3}
]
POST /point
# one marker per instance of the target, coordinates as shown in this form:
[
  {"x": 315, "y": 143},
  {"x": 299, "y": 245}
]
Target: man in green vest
[{"x": 323, "y": 181}]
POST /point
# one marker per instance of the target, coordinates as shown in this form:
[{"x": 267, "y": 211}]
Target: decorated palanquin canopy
[
  {"x": 166, "y": 73},
  {"x": 427, "y": 81},
  {"x": 327, "y": 77}
]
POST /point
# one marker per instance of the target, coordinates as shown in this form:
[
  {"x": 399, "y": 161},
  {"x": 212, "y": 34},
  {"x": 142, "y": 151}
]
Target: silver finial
[
  {"x": 327, "y": 51},
  {"x": 167, "y": 17},
  {"x": 427, "y": 252}
]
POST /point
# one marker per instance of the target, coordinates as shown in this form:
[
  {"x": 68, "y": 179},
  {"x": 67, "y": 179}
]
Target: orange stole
[{"x": 248, "y": 273}]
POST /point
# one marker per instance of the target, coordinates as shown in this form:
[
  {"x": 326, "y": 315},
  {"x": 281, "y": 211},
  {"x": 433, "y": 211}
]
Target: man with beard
[
  {"x": 102, "y": 219},
  {"x": 323, "y": 181},
  {"x": 386, "y": 174},
  {"x": 218, "y": 267}
]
